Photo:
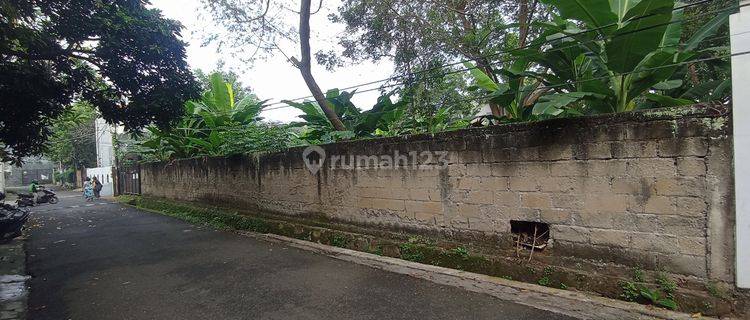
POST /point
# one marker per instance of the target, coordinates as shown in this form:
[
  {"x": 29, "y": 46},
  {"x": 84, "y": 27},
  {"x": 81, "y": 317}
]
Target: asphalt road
[{"x": 107, "y": 261}]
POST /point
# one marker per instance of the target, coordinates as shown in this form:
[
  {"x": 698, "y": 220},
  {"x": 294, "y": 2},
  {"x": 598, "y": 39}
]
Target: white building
[{"x": 105, "y": 154}]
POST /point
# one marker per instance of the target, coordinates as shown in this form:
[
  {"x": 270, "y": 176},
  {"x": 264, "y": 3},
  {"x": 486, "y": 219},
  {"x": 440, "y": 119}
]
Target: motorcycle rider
[{"x": 34, "y": 188}]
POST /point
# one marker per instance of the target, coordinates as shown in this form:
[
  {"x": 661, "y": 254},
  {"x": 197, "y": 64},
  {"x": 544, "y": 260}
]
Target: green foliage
[
  {"x": 377, "y": 250},
  {"x": 437, "y": 99},
  {"x": 546, "y": 279},
  {"x": 67, "y": 176},
  {"x": 216, "y": 125},
  {"x": 120, "y": 56},
  {"x": 409, "y": 122},
  {"x": 634, "y": 56},
  {"x": 339, "y": 241},
  {"x": 638, "y": 274},
  {"x": 411, "y": 251},
  {"x": 212, "y": 217},
  {"x": 630, "y": 291},
  {"x": 239, "y": 90},
  {"x": 385, "y": 118},
  {"x": 714, "y": 290},
  {"x": 668, "y": 286},
  {"x": 418, "y": 36},
  {"x": 636, "y": 291},
  {"x": 435, "y": 29},
  {"x": 656, "y": 298},
  {"x": 462, "y": 252},
  {"x": 73, "y": 139}
]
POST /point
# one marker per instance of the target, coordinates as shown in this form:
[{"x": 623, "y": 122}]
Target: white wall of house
[
  {"x": 739, "y": 28},
  {"x": 105, "y": 154}
]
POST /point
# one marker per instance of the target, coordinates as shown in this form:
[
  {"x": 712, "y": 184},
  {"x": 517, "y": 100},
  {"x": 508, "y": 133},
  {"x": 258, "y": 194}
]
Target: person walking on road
[
  {"x": 88, "y": 190},
  {"x": 97, "y": 187}
]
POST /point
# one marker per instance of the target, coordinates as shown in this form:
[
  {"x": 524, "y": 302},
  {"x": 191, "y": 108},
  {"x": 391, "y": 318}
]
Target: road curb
[{"x": 571, "y": 303}]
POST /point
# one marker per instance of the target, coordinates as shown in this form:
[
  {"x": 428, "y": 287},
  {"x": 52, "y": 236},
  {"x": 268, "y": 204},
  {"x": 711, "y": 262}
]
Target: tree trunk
[
  {"x": 525, "y": 16},
  {"x": 523, "y": 26},
  {"x": 305, "y": 67},
  {"x": 482, "y": 62}
]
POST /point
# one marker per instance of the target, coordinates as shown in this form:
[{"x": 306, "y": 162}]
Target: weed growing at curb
[
  {"x": 714, "y": 290},
  {"x": 462, "y": 252},
  {"x": 636, "y": 291},
  {"x": 339, "y": 241},
  {"x": 668, "y": 286},
  {"x": 202, "y": 216},
  {"x": 546, "y": 279},
  {"x": 638, "y": 274},
  {"x": 410, "y": 251},
  {"x": 378, "y": 250}
]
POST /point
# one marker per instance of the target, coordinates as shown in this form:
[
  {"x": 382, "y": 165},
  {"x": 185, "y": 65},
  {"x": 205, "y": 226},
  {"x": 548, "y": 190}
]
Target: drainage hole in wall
[{"x": 530, "y": 235}]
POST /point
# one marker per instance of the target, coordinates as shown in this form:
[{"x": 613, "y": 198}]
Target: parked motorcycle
[
  {"x": 12, "y": 220},
  {"x": 27, "y": 199}
]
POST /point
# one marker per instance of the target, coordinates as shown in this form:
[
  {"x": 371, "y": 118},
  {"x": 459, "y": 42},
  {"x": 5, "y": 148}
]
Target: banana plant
[
  {"x": 218, "y": 106},
  {"x": 316, "y": 128},
  {"x": 207, "y": 126},
  {"x": 628, "y": 50},
  {"x": 519, "y": 91}
]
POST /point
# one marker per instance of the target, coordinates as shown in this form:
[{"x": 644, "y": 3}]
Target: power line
[
  {"x": 240, "y": 127},
  {"x": 531, "y": 45},
  {"x": 626, "y": 73},
  {"x": 573, "y": 45},
  {"x": 539, "y": 45},
  {"x": 528, "y": 46}
]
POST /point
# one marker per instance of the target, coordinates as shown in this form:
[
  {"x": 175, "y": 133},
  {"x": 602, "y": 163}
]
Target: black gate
[{"x": 129, "y": 179}]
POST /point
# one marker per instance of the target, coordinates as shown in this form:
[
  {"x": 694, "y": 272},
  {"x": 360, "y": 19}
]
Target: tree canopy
[
  {"x": 120, "y": 56},
  {"x": 417, "y": 35},
  {"x": 73, "y": 139}
]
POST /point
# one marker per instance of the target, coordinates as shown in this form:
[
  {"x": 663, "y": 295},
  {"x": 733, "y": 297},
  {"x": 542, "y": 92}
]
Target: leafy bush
[
  {"x": 67, "y": 176},
  {"x": 217, "y": 125},
  {"x": 385, "y": 118},
  {"x": 339, "y": 241},
  {"x": 632, "y": 52},
  {"x": 662, "y": 296},
  {"x": 411, "y": 252},
  {"x": 628, "y": 56}
]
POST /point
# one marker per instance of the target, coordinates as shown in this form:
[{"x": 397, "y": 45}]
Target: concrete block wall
[{"x": 650, "y": 189}]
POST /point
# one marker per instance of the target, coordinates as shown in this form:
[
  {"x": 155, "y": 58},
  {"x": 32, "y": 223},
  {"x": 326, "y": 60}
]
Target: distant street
[{"x": 107, "y": 261}]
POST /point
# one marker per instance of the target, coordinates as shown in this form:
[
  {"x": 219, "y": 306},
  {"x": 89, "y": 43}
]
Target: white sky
[{"x": 275, "y": 78}]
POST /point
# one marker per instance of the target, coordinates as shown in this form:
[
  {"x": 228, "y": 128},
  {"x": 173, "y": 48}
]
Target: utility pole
[{"x": 739, "y": 28}]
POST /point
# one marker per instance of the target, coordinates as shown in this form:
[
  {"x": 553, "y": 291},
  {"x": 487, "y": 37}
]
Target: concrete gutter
[{"x": 570, "y": 303}]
